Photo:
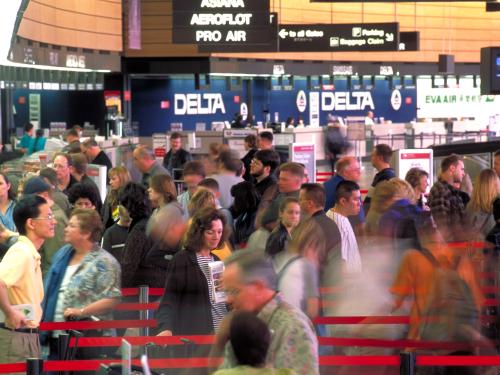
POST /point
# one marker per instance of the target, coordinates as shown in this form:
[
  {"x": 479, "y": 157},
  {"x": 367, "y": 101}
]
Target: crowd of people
[{"x": 284, "y": 241}]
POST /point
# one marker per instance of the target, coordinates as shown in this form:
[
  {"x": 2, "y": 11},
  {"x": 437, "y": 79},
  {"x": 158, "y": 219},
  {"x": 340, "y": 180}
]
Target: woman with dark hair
[
  {"x": 7, "y": 203},
  {"x": 134, "y": 198},
  {"x": 161, "y": 191},
  {"x": 251, "y": 148},
  {"x": 39, "y": 142},
  {"x": 118, "y": 177},
  {"x": 84, "y": 279},
  {"x": 244, "y": 210},
  {"x": 188, "y": 305}
]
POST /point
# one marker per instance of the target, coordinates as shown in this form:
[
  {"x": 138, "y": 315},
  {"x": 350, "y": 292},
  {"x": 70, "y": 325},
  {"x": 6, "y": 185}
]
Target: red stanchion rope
[
  {"x": 12, "y": 367},
  {"x": 393, "y": 360},
  {"x": 337, "y": 341},
  {"x": 143, "y": 340},
  {"x": 399, "y": 344},
  {"x": 103, "y": 324},
  {"x": 359, "y": 360},
  {"x": 127, "y": 292},
  {"x": 362, "y": 320},
  {"x": 93, "y": 365},
  {"x": 476, "y": 360},
  {"x": 152, "y": 323},
  {"x": 129, "y": 306},
  {"x": 468, "y": 245}
]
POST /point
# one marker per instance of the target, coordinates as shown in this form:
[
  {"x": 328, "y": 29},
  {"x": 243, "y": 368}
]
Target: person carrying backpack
[{"x": 435, "y": 275}]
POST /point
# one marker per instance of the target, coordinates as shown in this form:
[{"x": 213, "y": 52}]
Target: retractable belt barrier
[
  {"x": 152, "y": 323},
  {"x": 326, "y": 341},
  {"x": 405, "y": 361}
]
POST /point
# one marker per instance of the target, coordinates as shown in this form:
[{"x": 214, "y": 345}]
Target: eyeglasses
[
  {"x": 232, "y": 292},
  {"x": 48, "y": 217}
]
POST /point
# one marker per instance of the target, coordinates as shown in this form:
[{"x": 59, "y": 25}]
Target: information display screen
[
  {"x": 339, "y": 37},
  {"x": 219, "y": 23}
]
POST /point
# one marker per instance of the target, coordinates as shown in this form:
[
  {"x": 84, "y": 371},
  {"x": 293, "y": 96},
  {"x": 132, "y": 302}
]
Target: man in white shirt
[
  {"x": 347, "y": 203},
  {"x": 369, "y": 118}
]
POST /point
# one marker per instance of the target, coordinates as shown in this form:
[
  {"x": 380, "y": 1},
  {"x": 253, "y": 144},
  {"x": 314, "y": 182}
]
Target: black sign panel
[
  {"x": 339, "y": 37},
  {"x": 409, "y": 41},
  {"x": 268, "y": 44},
  {"x": 216, "y": 6},
  {"x": 225, "y": 36},
  {"x": 222, "y": 22},
  {"x": 214, "y": 20}
]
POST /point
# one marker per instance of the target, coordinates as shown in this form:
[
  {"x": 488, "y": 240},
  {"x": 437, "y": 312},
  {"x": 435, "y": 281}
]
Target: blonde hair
[
  {"x": 486, "y": 190},
  {"x": 124, "y": 177},
  {"x": 201, "y": 199},
  {"x": 308, "y": 235},
  {"x": 384, "y": 195},
  {"x": 122, "y": 174}
]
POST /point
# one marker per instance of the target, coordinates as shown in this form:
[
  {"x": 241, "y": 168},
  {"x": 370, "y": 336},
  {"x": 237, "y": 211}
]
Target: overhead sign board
[
  {"x": 268, "y": 44},
  {"x": 221, "y": 22},
  {"x": 409, "y": 41},
  {"x": 339, "y": 37}
]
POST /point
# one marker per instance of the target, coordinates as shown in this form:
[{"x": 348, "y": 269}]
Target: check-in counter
[
  {"x": 203, "y": 140},
  {"x": 196, "y": 142},
  {"x": 306, "y": 134}
]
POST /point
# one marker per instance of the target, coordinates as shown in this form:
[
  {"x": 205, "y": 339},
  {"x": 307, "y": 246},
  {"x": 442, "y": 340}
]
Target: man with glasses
[
  {"x": 21, "y": 286},
  {"x": 62, "y": 163},
  {"x": 38, "y": 186},
  {"x": 251, "y": 285},
  {"x": 262, "y": 168}
]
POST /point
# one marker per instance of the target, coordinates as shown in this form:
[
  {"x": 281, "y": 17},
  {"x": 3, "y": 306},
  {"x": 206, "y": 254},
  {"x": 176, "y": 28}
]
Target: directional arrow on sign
[{"x": 283, "y": 33}]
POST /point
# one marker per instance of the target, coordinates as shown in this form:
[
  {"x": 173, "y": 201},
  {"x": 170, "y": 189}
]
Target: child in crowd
[{"x": 250, "y": 338}]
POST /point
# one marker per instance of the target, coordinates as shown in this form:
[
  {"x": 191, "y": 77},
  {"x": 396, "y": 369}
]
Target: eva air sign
[
  {"x": 454, "y": 102},
  {"x": 459, "y": 98}
]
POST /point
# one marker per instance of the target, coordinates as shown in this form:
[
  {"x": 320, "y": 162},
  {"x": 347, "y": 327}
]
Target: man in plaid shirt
[{"x": 445, "y": 201}]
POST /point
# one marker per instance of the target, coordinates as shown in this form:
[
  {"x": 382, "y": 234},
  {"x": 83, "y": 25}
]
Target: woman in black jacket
[
  {"x": 188, "y": 306},
  {"x": 244, "y": 211},
  {"x": 289, "y": 218},
  {"x": 251, "y": 148},
  {"x": 134, "y": 198}
]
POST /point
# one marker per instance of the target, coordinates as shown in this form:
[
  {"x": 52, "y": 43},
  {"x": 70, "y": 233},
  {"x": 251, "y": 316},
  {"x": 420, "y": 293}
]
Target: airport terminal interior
[{"x": 250, "y": 187}]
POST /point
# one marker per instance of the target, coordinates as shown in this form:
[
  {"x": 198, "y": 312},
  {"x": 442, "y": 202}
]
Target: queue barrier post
[
  {"x": 63, "y": 348},
  {"x": 144, "y": 314},
  {"x": 408, "y": 361},
  {"x": 34, "y": 366}
]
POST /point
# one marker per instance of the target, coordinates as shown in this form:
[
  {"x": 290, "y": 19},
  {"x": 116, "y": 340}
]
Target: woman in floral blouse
[{"x": 84, "y": 279}]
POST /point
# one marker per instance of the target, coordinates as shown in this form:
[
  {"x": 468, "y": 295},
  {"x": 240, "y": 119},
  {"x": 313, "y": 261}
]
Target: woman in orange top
[{"x": 416, "y": 276}]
